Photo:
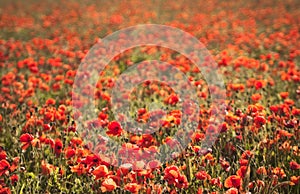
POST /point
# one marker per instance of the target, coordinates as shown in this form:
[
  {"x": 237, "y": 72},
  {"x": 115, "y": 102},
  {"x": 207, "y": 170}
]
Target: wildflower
[
  {"x": 2, "y": 154},
  {"x": 279, "y": 172},
  {"x": 108, "y": 185},
  {"x": 132, "y": 187},
  {"x": 4, "y": 167},
  {"x": 14, "y": 178},
  {"x": 233, "y": 181},
  {"x": 202, "y": 175},
  {"x": 261, "y": 170},
  {"x": 26, "y": 139},
  {"x": 50, "y": 101},
  {"x": 284, "y": 95},
  {"x": 58, "y": 145},
  {"x": 69, "y": 152},
  {"x": 294, "y": 180},
  {"x": 124, "y": 169},
  {"x": 172, "y": 99},
  {"x": 171, "y": 174},
  {"x": 78, "y": 169},
  {"x": 181, "y": 182},
  {"x": 294, "y": 165},
  {"x": 232, "y": 191},
  {"x": 256, "y": 97},
  {"x": 216, "y": 181},
  {"x": 114, "y": 129},
  {"x": 100, "y": 172},
  {"x": 47, "y": 168}
]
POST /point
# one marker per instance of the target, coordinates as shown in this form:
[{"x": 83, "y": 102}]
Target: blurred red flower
[
  {"x": 4, "y": 167},
  {"x": 108, "y": 185},
  {"x": 202, "y": 175},
  {"x": 232, "y": 191},
  {"x": 132, "y": 187},
  {"x": 171, "y": 174},
  {"x": 114, "y": 129},
  {"x": 233, "y": 181},
  {"x": 14, "y": 178},
  {"x": 294, "y": 165},
  {"x": 26, "y": 139},
  {"x": 294, "y": 180},
  {"x": 100, "y": 172},
  {"x": 58, "y": 145}
]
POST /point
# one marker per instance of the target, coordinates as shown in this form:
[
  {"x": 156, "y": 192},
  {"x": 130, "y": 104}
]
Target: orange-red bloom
[
  {"x": 58, "y": 146},
  {"x": 114, "y": 129},
  {"x": 294, "y": 180},
  {"x": 256, "y": 97},
  {"x": 171, "y": 174},
  {"x": 47, "y": 168},
  {"x": 202, "y": 175},
  {"x": 2, "y": 154},
  {"x": 132, "y": 187},
  {"x": 232, "y": 191},
  {"x": 233, "y": 181},
  {"x": 294, "y": 165},
  {"x": 100, "y": 172},
  {"x": 79, "y": 169},
  {"x": 108, "y": 185},
  {"x": 26, "y": 139},
  {"x": 4, "y": 167},
  {"x": 70, "y": 152}
]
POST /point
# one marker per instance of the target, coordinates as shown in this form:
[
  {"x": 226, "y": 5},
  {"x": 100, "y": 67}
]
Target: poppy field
[{"x": 161, "y": 124}]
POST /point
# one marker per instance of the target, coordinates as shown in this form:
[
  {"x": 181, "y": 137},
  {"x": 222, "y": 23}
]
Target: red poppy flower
[
  {"x": 233, "y": 181},
  {"x": 153, "y": 164},
  {"x": 256, "y": 97},
  {"x": 108, "y": 185},
  {"x": 47, "y": 168},
  {"x": 294, "y": 180},
  {"x": 26, "y": 139},
  {"x": 225, "y": 165},
  {"x": 78, "y": 169},
  {"x": 15, "y": 164},
  {"x": 284, "y": 133},
  {"x": 216, "y": 181},
  {"x": 2, "y": 154},
  {"x": 146, "y": 141},
  {"x": 182, "y": 182},
  {"x": 58, "y": 145},
  {"x": 259, "y": 84},
  {"x": 69, "y": 152},
  {"x": 242, "y": 171},
  {"x": 259, "y": 121},
  {"x": 232, "y": 191},
  {"x": 294, "y": 165},
  {"x": 279, "y": 172},
  {"x": 76, "y": 141},
  {"x": 4, "y": 167},
  {"x": 202, "y": 175},
  {"x": 171, "y": 174},
  {"x": 172, "y": 99},
  {"x": 14, "y": 178},
  {"x": 100, "y": 172},
  {"x": 284, "y": 95},
  {"x": 261, "y": 170},
  {"x": 237, "y": 87},
  {"x": 124, "y": 169},
  {"x": 132, "y": 187},
  {"x": 5, "y": 190},
  {"x": 50, "y": 101},
  {"x": 114, "y": 129}
]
